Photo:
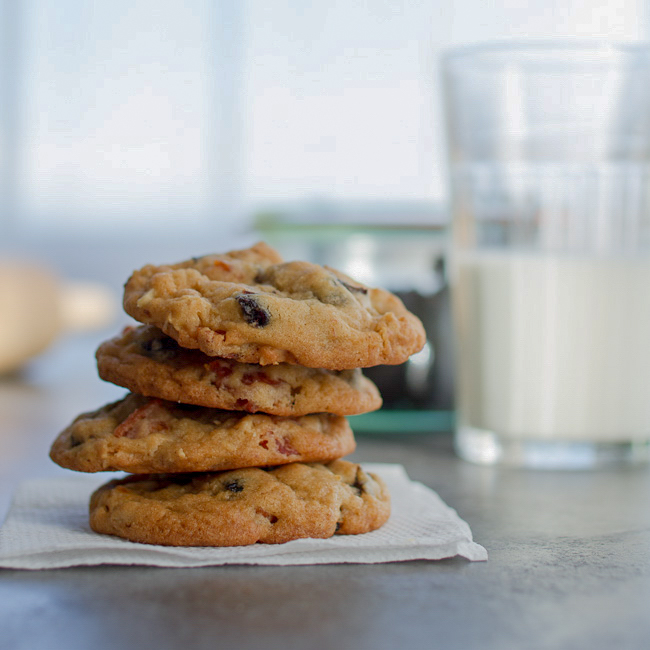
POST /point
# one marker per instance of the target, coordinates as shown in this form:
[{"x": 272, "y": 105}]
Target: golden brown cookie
[
  {"x": 242, "y": 506},
  {"x": 148, "y": 362},
  {"x": 247, "y": 305},
  {"x": 147, "y": 435}
]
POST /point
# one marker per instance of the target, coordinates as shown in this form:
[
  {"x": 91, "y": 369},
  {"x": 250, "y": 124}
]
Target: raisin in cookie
[
  {"x": 242, "y": 506},
  {"x": 146, "y": 435},
  {"x": 249, "y": 306},
  {"x": 148, "y": 362}
]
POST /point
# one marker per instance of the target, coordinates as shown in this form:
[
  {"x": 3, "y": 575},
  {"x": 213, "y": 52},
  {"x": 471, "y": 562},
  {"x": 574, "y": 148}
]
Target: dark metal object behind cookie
[{"x": 431, "y": 387}]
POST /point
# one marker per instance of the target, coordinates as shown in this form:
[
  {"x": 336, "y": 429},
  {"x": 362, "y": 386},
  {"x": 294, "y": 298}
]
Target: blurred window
[
  {"x": 155, "y": 113},
  {"x": 120, "y": 114}
]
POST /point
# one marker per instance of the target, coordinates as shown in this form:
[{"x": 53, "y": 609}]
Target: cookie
[
  {"x": 148, "y": 362},
  {"x": 249, "y": 306},
  {"x": 147, "y": 435},
  {"x": 242, "y": 506}
]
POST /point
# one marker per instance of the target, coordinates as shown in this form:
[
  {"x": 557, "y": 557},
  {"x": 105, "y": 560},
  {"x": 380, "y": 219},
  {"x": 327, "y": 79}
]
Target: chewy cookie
[
  {"x": 145, "y": 435},
  {"x": 148, "y": 362},
  {"x": 250, "y": 306},
  {"x": 242, "y": 506}
]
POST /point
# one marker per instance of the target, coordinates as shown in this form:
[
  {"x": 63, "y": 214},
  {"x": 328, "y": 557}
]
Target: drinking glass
[{"x": 549, "y": 164}]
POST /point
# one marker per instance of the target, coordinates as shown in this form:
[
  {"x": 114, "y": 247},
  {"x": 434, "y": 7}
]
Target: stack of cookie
[{"x": 241, "y": 377}]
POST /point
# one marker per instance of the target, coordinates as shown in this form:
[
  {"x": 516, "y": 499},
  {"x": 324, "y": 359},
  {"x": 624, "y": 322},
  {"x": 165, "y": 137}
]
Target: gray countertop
[{"x": 569, "y": 562}]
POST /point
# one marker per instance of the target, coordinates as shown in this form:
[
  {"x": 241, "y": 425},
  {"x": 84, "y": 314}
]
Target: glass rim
[{"x": 508, "y": 52}]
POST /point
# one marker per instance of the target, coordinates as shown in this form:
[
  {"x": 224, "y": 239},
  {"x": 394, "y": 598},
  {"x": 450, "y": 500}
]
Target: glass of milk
[{"x": 549, "y": 164}]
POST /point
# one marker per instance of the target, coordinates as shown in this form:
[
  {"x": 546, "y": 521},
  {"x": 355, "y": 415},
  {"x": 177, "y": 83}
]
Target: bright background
[{"x": 159, "y": 117}]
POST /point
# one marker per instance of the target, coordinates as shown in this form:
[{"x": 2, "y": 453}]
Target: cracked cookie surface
[
  {"x": 243, "y": 506},
  {"x": 148, "y": 362},
  {"x": 147, "y": 435},
  {"x": 250, "y": 306}
]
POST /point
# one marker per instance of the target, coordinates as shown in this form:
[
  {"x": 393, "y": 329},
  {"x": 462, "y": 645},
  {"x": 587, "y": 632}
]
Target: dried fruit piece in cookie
[
  {"x": 148, "y": 362},
  {"x": 146, "y": 435},
  {"x": 247, "y": 305},
  {"x": 243, "y": 506}
]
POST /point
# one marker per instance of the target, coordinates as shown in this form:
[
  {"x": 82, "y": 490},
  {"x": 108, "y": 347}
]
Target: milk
[{"x": 553, "y": 347}]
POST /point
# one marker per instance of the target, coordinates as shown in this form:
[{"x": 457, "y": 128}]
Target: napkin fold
[{"x": 47, "y": 527}]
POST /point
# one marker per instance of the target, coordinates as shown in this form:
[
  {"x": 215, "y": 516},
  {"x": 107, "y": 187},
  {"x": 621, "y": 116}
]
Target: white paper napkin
[{"x": 47, "y": 527}]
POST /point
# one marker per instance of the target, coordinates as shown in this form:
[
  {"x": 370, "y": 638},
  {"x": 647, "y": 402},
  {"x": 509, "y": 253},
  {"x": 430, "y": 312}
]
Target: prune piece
[
  {"x": 75, "y": 442},
  {"x": 159, "y": 348},
  {"x": 233, "y": 485},
  {"x": 357, "y": 486},
  {"x": 254, "y": 314}
]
